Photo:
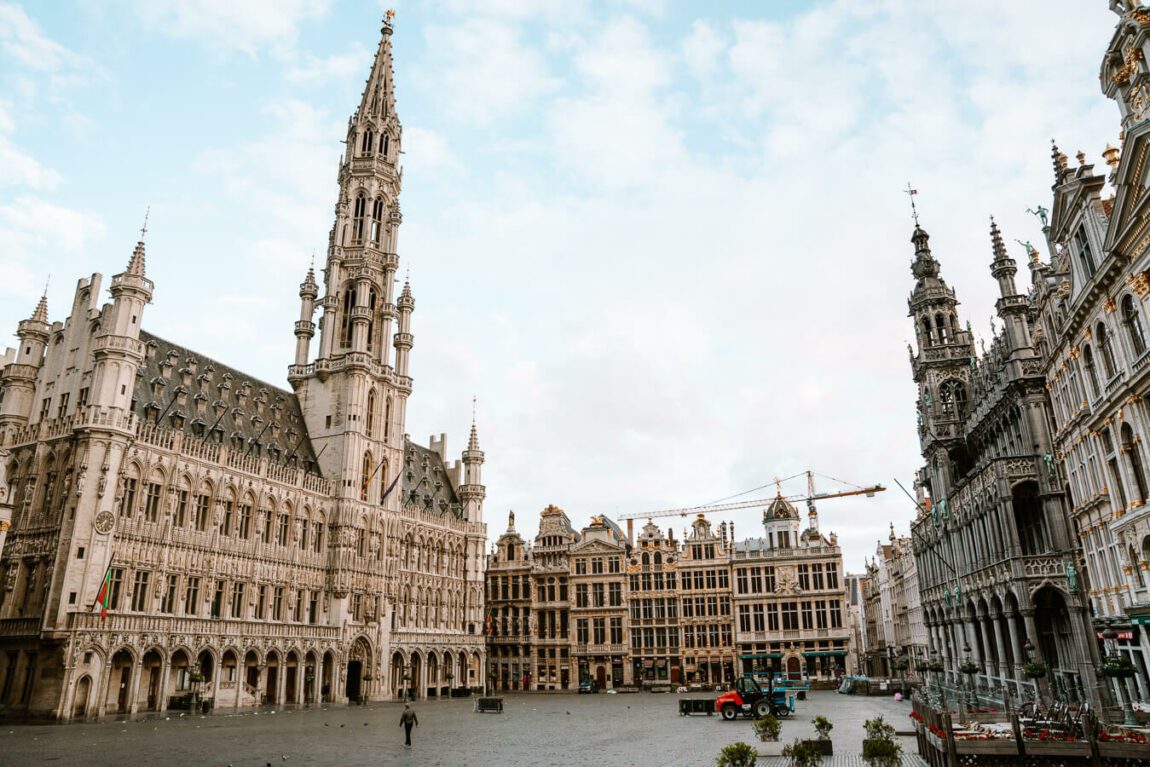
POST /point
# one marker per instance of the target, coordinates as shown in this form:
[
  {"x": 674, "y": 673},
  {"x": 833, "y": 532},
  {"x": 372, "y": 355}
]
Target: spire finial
[
  {"x": 474, "y": 402},
  {"x": 144, "y": 228},
  {"x": 911, "y": 192},
  {"x": 473, "y": 440},
  {"x": 996, "y": 240},
  {"x": 40, "y": 314}
]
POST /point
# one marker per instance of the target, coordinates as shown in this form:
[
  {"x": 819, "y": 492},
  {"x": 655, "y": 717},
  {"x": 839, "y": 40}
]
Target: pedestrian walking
[{"x": 407, "y": 720}]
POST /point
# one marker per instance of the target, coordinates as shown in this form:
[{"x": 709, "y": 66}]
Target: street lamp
[{"x": 970, "y": 669}]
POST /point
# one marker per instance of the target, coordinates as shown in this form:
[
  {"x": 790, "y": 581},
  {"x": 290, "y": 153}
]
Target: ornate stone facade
[
  {"x": 248, "y": 544},
  {"x": 995, "y": 556},
  {"x": 790, "y": 598}
]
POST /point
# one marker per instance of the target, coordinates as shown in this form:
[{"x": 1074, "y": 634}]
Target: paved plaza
[{"x": 536, "y": 729}]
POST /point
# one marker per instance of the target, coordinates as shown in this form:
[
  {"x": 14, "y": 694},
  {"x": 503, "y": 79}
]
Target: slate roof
[
  {"x": 220, "y": 404},
  {"x": 426, "y": 481}
]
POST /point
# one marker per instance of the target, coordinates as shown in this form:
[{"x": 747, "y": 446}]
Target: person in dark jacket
[{"x": 407, "y": 720}]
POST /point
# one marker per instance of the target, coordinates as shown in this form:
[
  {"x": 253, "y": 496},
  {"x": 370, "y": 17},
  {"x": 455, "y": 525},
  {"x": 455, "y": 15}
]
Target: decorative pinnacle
[
  {"x": 911, "y": 192},
  {"x": 473, "y": 441},
  {"x": 40, "y": 314},
  {"x": 1060, "y": 161},
  {"x": 996, "y": 240}
]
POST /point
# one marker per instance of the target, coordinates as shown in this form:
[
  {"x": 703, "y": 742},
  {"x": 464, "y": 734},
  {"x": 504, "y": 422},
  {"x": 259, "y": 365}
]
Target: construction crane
[{"x": 712, "y": 508}]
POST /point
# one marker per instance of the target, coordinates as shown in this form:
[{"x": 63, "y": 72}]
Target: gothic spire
[
  {"x": 996, "y": 241},
  {"x": 136, "y": 263},
  {"x": 40, "y": 314},
  {"x": 378, "y": 100}
]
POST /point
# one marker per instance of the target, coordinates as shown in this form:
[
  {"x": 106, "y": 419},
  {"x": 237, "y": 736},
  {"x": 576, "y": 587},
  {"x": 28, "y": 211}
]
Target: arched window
[
  {"x": 940, "y": 328},
  {"x": 1133, "y": 322},
  {"x": 367, "y": 467},
  {"x": 371, "y": 413},
  {"x": 952, "y": 399},
  {"x": 1091, "y": 371},
  {"x": 386, "y": 144},
  {"x": 1085, "y": 254},
  {"x": 345, "y": 318},
  {"x": 368, "y": 141},
  {"x": 387, "y": 420},
  {"x": 1134, "y": 456},
  {"x": 1104, "y": 349},
  {"x": 376, "y": 220},
  {"x": 926, "y": 337},
  {"x": 384, "y": 481},
  {"x": 371, "y": 321},
  {"x": 357, "y": 222}
]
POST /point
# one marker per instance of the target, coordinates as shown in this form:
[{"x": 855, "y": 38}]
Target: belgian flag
[{"x": 104, "y": 596}]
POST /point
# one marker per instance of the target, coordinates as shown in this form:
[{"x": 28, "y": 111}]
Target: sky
[{"x": 665, "y": 245}]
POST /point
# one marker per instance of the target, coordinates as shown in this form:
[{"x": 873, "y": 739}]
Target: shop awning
[
  {"x": 761, "y": 657},
  {"x": 820, "y": 653}
]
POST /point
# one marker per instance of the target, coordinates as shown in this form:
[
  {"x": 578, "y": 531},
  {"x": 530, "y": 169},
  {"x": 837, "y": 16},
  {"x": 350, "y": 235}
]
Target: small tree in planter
[
  {"x": 768, "y": 728},
  {"x": 737, "y": 755},
  {"x": 879, "y": 747},
  {"x": 803, "y": 753},
  {"x": 823, "y": 727}
]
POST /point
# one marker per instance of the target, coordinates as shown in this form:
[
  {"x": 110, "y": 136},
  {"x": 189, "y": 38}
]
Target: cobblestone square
[{"x": 536, "y": 729}]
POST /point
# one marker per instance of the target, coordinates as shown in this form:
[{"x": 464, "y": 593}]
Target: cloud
[
  {"x": 18, "y": 168},
  {"x": 483, "y": 72},
  {"x": 22, "y": 40},
  {"x": 338, "y": 67},
  {"x": 249, "y": 27}
]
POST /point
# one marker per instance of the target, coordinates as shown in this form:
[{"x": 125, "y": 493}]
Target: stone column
[
  {"x": 1004, "y": 665},
  {"x": 993, "y": 663},
  {"x": 300, "y": 672},
  {"x": 134, "y": 687},
  {"x": 102, "y": 704},
  {"x": 217, "y": 672},
  {"x": 162, "y": 691},
  {"x": 281, "y": 682},
  {"x": 1032, "y": 631}
]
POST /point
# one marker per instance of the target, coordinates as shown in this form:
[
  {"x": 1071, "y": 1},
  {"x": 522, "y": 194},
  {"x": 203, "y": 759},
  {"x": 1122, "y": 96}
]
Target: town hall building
[{"x": 184, "y": 534}]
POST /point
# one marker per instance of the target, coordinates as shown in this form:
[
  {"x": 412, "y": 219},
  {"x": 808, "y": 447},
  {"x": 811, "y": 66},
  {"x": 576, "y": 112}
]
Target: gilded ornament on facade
[
  {"x": 1110, "y": 305},
  {"x": 1139, "y": 101},
  {"x": 1129, "y": 66},
  {"x": 1139, "y": 283}
]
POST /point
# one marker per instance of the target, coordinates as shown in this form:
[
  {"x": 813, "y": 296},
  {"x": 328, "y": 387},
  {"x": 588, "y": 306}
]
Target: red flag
[{"x": 104, "y": 597}]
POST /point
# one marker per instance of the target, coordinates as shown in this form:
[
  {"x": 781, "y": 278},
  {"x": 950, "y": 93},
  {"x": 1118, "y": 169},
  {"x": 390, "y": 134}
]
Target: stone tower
[{"x": 941, "y": 368}]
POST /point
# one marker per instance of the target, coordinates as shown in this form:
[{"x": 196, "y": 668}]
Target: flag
[
  {"x": 104, "y": 597},
  {"x": 390, "y": 488}
]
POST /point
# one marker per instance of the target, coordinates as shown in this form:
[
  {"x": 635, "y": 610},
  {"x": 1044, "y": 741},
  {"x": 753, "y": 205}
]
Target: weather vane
[
  {"x": 389, "y": 15},
  {"x": 144, "y": 228},
  {"x": 911, "y": 192}
]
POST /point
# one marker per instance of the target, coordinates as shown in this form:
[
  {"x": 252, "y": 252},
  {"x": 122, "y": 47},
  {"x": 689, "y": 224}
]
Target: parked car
[{"x": 588, "y": 685}]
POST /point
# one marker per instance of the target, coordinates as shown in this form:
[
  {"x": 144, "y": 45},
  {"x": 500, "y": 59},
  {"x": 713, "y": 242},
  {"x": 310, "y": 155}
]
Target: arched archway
[
  {"x": 291, "y": 678},
  {"x": 326, "y": 677},
  {"x": 272, "y": 673},
  {"x": 80, "y": 699},
  {"x": 359, "y": 676},
  {"x": 399, "y": 672},
  {"x": 149, "y": 690},
  {"x": 416, "y": 675},
  {"x": 119, "y": 678},
  {"x": 432, "y": 675}
]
